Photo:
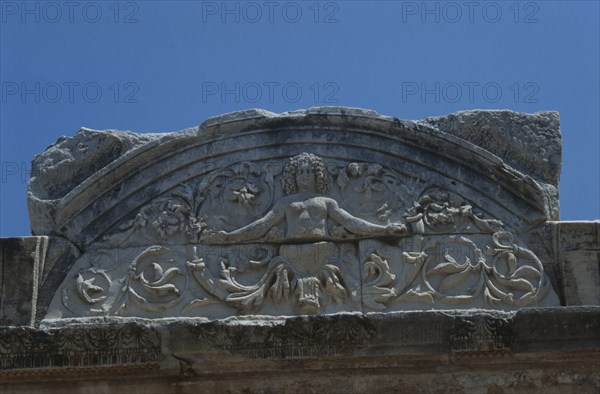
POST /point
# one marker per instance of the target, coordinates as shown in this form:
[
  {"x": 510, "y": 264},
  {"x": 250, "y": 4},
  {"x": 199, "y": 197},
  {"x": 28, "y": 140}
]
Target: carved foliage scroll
[
  {"x": 456, "y": 258},
  {"x": 308, "y": 236}
]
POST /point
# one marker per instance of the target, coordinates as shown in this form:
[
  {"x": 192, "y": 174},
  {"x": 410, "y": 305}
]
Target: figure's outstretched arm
[
  {"x": 360, "y": 226},
  {"x": 252, "y": 231}
]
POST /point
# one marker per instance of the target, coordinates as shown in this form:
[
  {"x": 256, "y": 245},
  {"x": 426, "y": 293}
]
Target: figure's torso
[{"x": 307, "y": 218}]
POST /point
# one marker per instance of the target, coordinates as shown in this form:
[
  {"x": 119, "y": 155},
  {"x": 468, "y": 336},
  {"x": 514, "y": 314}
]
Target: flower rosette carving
[
  {"x": 93, "y": 286},
  {"x": 171, "y": 219},
  {"x": 103, "y": 339},
  {"x": 238, "y": 194},
  {"x": 89, "y": 291},
  {"x": 133, "y": 338},
  {"x": 157, "y": 279}
]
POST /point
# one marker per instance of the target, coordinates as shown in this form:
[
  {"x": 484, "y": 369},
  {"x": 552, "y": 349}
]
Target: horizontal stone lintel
[{"x": 348, "y": 341}]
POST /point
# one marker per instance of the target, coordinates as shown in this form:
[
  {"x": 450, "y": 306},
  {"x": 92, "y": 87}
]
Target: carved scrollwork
[
  {"x": 305, "y": 237},
  {"x": 306, "y": 277},
  {"x": 181, "y": 215},
  {"x": 508, "y": 274},
  {"x": 517, "y": 274},
  {"x": 92, "y": 287},
  {"x": 156, "y": 282},
  {"x": 455, "y": 272},
  {"x": 378, "y": 282},
  {"x": 389, "y": 273}
]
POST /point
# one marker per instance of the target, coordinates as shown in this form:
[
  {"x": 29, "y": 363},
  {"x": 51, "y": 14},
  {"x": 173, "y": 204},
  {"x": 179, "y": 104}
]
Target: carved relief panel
[{"x": 303, "y": 235}]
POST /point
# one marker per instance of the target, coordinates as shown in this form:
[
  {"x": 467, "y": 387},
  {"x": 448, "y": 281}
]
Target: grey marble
[
  {"x": 322, "y": 250},
  {"x": 313, "y": 211}
]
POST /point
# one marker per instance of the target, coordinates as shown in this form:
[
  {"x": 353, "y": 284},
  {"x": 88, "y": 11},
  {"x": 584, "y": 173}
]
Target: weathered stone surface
[
  {"x": 244, "y": 244},
  {"x": 67, "y": 163},
  {"x": 313, "y": 211},
  {"x": 421, "y": 256},
  {"x": 59, "y": 259},
  {"x": 532, "y": 350},
  {"x": 21, "y": 267},
  {"x": 530, "y": 143},
  {"x": 31, "y": 269},
  {"x": 579, "y": 255}
]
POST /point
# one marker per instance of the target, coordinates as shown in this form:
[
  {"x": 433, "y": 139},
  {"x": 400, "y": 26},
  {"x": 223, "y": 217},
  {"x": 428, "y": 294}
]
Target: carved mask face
[{"x": 305, "y": 177}]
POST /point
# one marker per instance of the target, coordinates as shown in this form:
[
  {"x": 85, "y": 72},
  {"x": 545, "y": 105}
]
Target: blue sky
[{"x": 156, "y": 66}]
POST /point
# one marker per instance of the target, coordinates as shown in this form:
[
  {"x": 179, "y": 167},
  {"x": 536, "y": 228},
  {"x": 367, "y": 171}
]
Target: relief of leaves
[
  {"x": 159, "y": 284},
  {"x": 520, "y": 285},
  {"x": 521, "y": 278},
  {"x": 453, "y": 280},
  {"x": 451, "y": 266},
  {"x": 379, "y": 270},
  {"x": 527, "y": 272},
  {"x": 103, "y": 338}
]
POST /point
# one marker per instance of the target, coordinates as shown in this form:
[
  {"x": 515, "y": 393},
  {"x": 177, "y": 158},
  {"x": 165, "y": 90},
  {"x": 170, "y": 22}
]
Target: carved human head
[{"x": 301, "y": 161}]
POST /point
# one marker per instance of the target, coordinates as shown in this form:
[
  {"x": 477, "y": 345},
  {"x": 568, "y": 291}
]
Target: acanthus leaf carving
[
  {"x": 378, "y": 285},
  {"x": 236, "y": 245},
  {"x": 440, "y": 212},
  {"x": 181, "y": 215},
  {"x": 281, "y": 281},
  {"x": 166, "y": 219},
  {"x": 156, "y": 282},
  {"x": 469, "y": 336}
]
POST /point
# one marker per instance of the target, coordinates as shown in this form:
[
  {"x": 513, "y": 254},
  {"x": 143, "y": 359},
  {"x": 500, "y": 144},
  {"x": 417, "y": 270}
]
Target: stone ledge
[
  {"x": 423, "y": 350},
  {"x": 354, "y": 335}
]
